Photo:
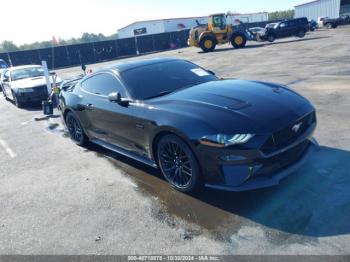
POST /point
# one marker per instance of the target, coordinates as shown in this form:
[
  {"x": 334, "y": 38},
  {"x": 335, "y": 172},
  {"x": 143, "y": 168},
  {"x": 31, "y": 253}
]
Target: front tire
[
  {"x": 208, "y": 44},
  {"x": 271, "y": 38},
  {"x": 15, "y": 100},
  {"x": 75, "y": 130},
  {"x": 238, "y": 40},
  {"x": 178, "y": 164}
]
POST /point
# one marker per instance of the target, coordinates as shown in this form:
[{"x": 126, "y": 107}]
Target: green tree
[
  {"x": 281, "y": 15},
  {"x": 8, "y": 46}
]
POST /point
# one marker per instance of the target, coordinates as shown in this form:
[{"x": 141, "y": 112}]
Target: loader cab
[{"x": 218, "y": 23}]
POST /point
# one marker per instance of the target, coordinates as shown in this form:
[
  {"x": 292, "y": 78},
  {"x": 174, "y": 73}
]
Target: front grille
[
  {"x": 40, "y": 90},
  {"x": 287, "y": 136},
  {"x": 276, "y": 163}
]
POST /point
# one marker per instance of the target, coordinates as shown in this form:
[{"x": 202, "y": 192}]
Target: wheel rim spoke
[
  {"x": 175, "y": 164},
  {"x": 74, "y": 129}
]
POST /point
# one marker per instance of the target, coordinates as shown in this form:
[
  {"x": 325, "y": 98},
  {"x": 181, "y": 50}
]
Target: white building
[
  {"x": 174, "y": 24},
  {"x": 318, "y": 8}
]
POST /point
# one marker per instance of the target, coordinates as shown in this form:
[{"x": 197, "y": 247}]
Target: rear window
[{"x": 151, "y": 80}]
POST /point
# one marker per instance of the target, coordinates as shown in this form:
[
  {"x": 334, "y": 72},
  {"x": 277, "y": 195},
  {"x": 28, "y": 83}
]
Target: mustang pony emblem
[{"x": 296, "y": 127}]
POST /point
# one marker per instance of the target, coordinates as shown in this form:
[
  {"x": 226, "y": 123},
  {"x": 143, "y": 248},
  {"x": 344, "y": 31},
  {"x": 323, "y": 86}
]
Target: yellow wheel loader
[{"x": 217, "y": 32}]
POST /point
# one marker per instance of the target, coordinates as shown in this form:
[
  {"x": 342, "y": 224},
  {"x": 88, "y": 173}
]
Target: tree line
[
  {"x": 277, "y": 15},
  {"x": 9, "y": 46}
]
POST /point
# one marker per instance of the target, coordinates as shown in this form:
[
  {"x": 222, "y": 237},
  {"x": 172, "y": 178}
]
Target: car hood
[
  {"x": 32, "y": 82},
  {"x": 246, "y": 106}
]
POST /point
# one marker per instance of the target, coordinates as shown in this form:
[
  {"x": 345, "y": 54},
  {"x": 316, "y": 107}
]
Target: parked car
[
  {"x": 25, "y": 84},
  {"x": 335, "y": 22},
  {"x": 294, "y": 27},
  {"x": 312, "y": 25},
  {"x": 3, "y": 66},
  {"x": 330, "y": 22},
  {"x": 197, "y": 128}
]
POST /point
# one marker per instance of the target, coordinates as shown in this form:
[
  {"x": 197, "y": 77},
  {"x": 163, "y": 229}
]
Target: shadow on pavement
[{"x": 313, "y": 202}]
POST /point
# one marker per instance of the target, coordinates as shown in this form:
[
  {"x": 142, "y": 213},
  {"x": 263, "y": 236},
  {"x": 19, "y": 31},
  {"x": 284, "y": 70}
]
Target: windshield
[
  {"x": 3, "y": 64},
  {"x": 27, "y": 73},
  {"x": 163, "y": 78}
]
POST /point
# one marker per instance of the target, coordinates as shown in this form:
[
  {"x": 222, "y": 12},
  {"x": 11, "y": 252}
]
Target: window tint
[
  {"x": 151, "y": 80},
  {"x": 29, "y": 72},
  {"x": 103, "y": 84},
  {"x": 284, "y": 24}
]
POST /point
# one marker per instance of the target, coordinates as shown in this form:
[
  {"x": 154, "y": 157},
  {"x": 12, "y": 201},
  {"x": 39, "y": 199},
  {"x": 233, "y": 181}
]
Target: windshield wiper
[{"x": 163, "y": 93}]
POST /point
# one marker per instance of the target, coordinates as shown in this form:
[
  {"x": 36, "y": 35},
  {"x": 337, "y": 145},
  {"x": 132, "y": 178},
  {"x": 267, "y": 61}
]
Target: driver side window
[
  {"x": 103, "y": 84},
  {"x": 283, "y": 25}
]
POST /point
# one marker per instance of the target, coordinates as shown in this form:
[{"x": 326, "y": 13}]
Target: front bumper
[
  {"x": 36, "y": 96},
  {"x": 257, "y": 181}
]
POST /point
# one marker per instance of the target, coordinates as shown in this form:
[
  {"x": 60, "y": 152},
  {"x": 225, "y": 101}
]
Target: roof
[
  {"x": 193, "y": 17},
  {"x": 124, "y": 66},
  {"x": 311, "y": 2}
]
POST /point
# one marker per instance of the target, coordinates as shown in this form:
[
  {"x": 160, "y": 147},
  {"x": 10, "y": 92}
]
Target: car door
[
  {"x": 282, "y": 29},
  {"x": 109, "y": 121},
  {"x": 292, "y": 28}
]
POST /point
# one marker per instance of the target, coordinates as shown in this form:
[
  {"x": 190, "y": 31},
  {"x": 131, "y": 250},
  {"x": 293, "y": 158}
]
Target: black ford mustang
[{"x": 198, "y": 129}]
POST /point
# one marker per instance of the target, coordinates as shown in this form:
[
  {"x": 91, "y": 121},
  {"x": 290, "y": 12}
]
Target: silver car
[{"x": 24, "y": 84}]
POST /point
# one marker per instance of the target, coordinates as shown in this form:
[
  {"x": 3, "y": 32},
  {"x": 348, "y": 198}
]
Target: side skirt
[{"x": 124, "y": 152}]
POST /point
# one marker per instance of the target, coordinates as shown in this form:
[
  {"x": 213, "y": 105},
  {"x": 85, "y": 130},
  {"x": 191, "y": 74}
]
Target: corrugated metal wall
[{"x": 314, "y": 10}]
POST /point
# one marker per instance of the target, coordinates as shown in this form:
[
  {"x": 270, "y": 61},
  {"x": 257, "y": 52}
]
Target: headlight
[
  {"x": 221, "y": 140},
  {"x": 25, "y": 90}
]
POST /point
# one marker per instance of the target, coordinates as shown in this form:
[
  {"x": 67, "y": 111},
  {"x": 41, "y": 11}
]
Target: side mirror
[
  {"x": 52, "y": 73},
  {"x": 116, "y": 97},
  {"x": 5, "y": 79}
]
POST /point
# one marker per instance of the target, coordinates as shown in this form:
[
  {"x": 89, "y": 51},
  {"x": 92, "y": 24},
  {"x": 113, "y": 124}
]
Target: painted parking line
[{"x": 8, "y": 150}]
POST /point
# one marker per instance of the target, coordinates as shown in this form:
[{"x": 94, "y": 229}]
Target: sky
[{"x": 29, "y": 21}]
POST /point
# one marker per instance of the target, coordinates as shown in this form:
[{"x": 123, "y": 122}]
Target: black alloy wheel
[
  {"x": 178, "y": 163},
  {"x": 75, "y": 130}
]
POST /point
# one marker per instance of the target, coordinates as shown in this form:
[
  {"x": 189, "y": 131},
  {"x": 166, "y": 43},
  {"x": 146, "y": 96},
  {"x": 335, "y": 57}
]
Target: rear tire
[
  {"x": 178, "y": 164},
  {"x": 75, "y": 130},
  {"x": 238, "y": 40},
  {"x": 208, "y": 44}
]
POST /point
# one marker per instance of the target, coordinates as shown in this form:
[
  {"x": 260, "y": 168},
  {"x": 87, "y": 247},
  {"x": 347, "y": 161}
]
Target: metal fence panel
[
  {"x": 105, "y": 50},
  {"x": 126, "y": 47},
  {"x": 5, "y": 56},
  {"x": 29, "y": 57},
  {"x": 145, "y": 43},
  {"x": 162, "y": 42}
]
